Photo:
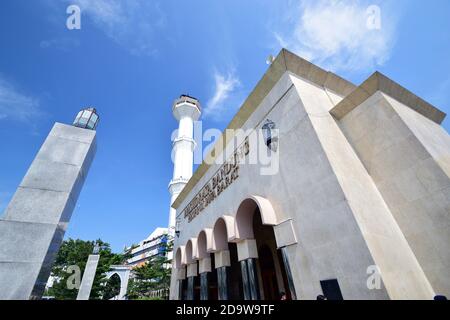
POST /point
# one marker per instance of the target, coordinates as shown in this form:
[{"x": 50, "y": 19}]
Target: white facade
[
  {"x": 147, "y": 248},
  {"x": 360, "y": 197}
]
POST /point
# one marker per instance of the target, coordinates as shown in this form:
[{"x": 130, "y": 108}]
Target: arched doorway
[
  {"x": 268, "y": 274},
  {"x": 123, "y": 272},
  {"x": 226, "y": 260},
  {"x": 208, "y": 276},
  {"x": 180, "y": 269},
  {"x": 266, "y": 277},
  {"x": 112, "y": 288},
  {"x": 193, "y": 280}
]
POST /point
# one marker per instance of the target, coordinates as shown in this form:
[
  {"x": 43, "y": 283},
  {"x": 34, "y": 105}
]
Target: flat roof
[{"x": 379, "y": 82}]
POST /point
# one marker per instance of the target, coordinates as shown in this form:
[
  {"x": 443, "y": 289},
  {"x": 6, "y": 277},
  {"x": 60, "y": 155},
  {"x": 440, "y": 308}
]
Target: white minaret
[{"x": 186, "y": 110}]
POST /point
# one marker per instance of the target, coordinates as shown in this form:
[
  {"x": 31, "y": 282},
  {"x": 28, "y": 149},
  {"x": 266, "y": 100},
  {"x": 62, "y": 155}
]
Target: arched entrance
[
  {"x": 123, "y": 272},
  {"x": 180, "y": 269},
  {"x": 112, "y": 288},
  {"x": 226, "y": 260},
  {"x": 268, "y": 274},
  {"x": 239, "y": 258},
  {"x": 193, "y": 281},
  {"x": 263, "y": 272},
  {"x": 208, "y": 276}
]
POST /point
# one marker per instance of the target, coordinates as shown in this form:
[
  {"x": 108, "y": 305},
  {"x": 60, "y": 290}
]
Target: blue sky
[{"x": 132, "y": 58}]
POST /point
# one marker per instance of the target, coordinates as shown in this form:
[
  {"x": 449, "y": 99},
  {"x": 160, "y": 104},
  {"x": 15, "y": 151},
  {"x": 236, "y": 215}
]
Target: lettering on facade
[{"x": 222, "y": 179}]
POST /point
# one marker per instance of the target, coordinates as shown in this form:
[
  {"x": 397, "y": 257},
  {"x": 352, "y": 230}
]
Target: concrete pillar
[
  {"x": 191, "y": 274},
  {"x": 180, "y": 289},
  {"x": 204, "y": 270},
  {"x": 190, "y": 288},
  {"x": 36, "y": 219},
  {"x": 88, "y": 277},
  {"x": 223, "y": 263},
  {"x": 247, "y": 255},
  {"x": 180, "y": 275},
  {"x": 204, "y": 286},
  {"x": 245, "y": 284},
  {"x": 124, "y": 287},
  {"x": 287, "y": 268}
]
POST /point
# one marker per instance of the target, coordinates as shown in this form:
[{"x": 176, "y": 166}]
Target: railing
[
  {"x": 161, "y": 293},
  {"x": 187, "y": 99}
]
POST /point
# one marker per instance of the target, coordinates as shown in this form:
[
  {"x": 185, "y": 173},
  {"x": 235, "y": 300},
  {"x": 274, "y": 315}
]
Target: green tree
[
  {"x": 153, "y": 275},
  {"x": 75, "y": 253}
]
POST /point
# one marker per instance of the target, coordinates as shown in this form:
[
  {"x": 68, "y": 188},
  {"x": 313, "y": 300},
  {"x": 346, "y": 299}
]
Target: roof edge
[
  {"x": 285, "y": 61},
  {"x": 379, "y": 82}
]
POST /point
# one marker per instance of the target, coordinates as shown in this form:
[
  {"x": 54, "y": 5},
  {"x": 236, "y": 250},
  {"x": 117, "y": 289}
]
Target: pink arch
[
  {"x": 204, "y": 243},
  {"x": 244, "y": 216},
  {"x": 180, "y": 257},
  {"x": 223, "y": 232},
  {"x": 191, "y": 250}
]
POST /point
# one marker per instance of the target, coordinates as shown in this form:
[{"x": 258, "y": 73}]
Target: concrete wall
[
  {"x": 38, "y": 215},
  {"x": 330, "y": 242},
  {"x": 400, "y": 271},
  {"x": 408, "y": 158}
]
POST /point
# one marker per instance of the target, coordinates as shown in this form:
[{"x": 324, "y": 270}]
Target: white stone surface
[
  {"x": 222, "y": 259},
  {"x": 88, "y": 277},
  {"x": 204, "y": 265},
  {"x": 192, "y": 270},
  {"x": 36, "y": 218},
  {"x": 345, "y": 194},
  {"x": 285, "y": 233},
  {"x": 183, "y": 153},
  {"x": 247, "y": 249},
  {"x": 408, "y": 158}
]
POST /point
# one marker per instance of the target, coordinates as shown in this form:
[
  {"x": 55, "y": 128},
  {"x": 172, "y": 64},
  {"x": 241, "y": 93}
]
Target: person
[
  {"x": 321, "y": 297},
  {"x": 283, "y": 295}
]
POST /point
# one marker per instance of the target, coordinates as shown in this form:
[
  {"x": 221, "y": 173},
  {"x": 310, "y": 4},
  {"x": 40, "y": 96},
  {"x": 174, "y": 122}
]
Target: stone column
[
  {"x": 204, "y": 270},
  {"x": 222, "y": 261},
  {"x": 191, "y": 274},
  {"x": 247, "y": 255},
  {"x": 287, "y": 268},
  {"x": 36, "y": 219},
  {"x": 190, "y": 288},
  {"x": 285, "y": 238},
  {"x": 88, "y": 277},
  {"x": 181, "y": 276}
]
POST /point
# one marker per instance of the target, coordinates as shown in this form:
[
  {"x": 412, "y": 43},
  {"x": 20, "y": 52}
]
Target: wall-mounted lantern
[{"x": 270, "y": 135}]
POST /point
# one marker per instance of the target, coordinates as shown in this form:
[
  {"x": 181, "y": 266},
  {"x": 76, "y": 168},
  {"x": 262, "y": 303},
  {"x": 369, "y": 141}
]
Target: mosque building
[{"x": 317, "y": 187}]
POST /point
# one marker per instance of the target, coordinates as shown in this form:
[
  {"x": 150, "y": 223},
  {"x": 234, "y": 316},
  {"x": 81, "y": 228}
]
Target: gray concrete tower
[{"x": 37, "y": 217}]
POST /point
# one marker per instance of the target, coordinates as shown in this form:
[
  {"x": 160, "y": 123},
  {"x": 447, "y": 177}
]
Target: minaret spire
[{"x": 186, "y": 110}]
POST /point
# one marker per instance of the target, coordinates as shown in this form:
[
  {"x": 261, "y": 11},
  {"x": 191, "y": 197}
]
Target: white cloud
[
  {"x": 338, "y": 35},
  {"x": 15, "y": 105},
  {"x": 225, "y": 86},
  {"x": 133, "y": 24}
]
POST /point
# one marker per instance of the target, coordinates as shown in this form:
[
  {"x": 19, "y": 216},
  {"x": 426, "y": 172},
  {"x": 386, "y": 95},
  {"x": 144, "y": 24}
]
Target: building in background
[{"x": 153, "y": 245}]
